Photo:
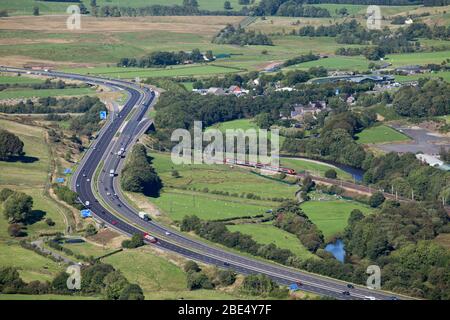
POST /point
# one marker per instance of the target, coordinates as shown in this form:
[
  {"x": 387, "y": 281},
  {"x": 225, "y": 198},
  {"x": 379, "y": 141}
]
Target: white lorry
[
  {"x": 144, "y": 215},
  {"x": 111, "y": 173}
]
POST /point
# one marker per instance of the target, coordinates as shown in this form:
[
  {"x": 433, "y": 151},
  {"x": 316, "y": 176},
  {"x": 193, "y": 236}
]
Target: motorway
[{"x": 93, "y": 183}]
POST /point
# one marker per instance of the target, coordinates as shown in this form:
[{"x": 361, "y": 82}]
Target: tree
[
  {"x": 331, "y": 174},
  {"x": 10, "y": 145},
  {"x": 18, "y": 207},
  {"x": 35, "y": 11},
  {"x": 175, "y": 173},
  {"x": 132, "y": 292},
  {"x": 258, "y": 285},
  {"x": 10, "y": 280},
  {"x": 374, "y": 53},
  {"x": 355, "y": 216},
  {"x": 90, "y": 230},
  {"x": 198, "y": 280},
  {"x": 191, "y": 266},
  {"x": 376, "y": 199},
  {"x": 5, "y": 193},
  {"x": 226, "y": 277},
  {"x": 136, "y": 241},
  {"x": 190, "y": 3},
  {"x": 264, "y": 120},
  {"x": 227, "y": 5},
  {"x": 15, "y": 230},
  {"x": 115, "y": 283}
]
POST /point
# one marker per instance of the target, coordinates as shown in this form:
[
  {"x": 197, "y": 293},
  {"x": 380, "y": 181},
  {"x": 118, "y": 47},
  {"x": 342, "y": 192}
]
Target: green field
[
  {"x": 29, "y": 178},
  {"x": 33, "y": 173},
  {"x": 19, "y": 80},
  {"x": 267, "y": 233},
  {"x": 159, "y": 278},
  {"x": 380, "y": 134},
  {"x": 220, "y": 178},
  {"x": 87, "y": 249},
  {"x": 31, "y": 265},
  {"x": 43, "y": 297},
  {"x": 243, "y": 124},
  {"x": 128, "y": 73},
  {"x": 442, "y": 74},
  {"x": 359, "y": 63},
  {"x": 314, "y": 168},
  {"x": 31, "y": 93},
  {"x": 360, "y": 10},
  {"x": 23, "y": 7},
  {"x": 177, "y": 204},
  {"x": 331, "y": 216},
  {"x": 186, "y": 194}
]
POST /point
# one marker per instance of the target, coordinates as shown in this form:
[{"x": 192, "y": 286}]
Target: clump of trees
[
  {"x": 10, "y": 145},
  {"x": 217, "y": 232},
  {"x": 429, "y": 98},
  {"x": 262, "y": 286},
  {"x": 394, "y": 226},
  {"x": 289, "y": 8},
  {"x": 68, "y": 196},
  {"x": 292, "y": 219},
  {"x": 51, "y": 105},
  {"x": 239, "y": 36},
  {"x": 136, "y": 241},
  {"x": 138, "y": 175},
  {"x": 96, "y": 279},
  {"x": 407, "y": 176},
  {"x": 300, "y": 59},
  {"x": 197, "y": 279},
  {"x": 164, "y": 58},
  {"x": 17, "y": 209}
]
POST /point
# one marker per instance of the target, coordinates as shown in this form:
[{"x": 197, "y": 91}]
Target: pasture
[
  {"x": 380, "y": 134},
  {"x": 331, "y": 216},
  {"x": 267, "y": 233}
]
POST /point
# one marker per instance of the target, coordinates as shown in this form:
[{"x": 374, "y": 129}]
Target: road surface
[{"x": 109, "y": 206}]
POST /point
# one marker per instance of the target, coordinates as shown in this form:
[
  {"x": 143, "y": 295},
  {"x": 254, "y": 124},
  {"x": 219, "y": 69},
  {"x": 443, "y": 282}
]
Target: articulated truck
[{"x": 144, "y": 216}]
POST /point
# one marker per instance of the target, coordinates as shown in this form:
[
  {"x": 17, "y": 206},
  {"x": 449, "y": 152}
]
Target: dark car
[
  {"x": 393, "y": 298},
  {"x": 346, "y": 293},
  {"x": 350, "y": 286},
  {"x": 226, "y": 264}
]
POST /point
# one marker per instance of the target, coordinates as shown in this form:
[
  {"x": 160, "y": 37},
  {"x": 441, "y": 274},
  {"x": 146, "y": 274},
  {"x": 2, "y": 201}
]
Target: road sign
[
  {"x": 86, "y": 213},
  {"x": 294, "y": 287},
  {"x": 67, "y": 171},
  {"x": 103, "y": 115},
  {"x": 60, "y": 180}
]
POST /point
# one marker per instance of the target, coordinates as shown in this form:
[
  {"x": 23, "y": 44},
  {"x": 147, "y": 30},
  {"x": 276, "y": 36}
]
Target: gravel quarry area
[{"x": 422, "y": 141}]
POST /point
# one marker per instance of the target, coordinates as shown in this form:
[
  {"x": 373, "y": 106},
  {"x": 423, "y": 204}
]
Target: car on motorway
[
  {"x": 88, "y": 180},
  {"x": 299, "y": 283},
  {"x": 150, "y": 238},
  {"x": 114, "y": 222},
  {"x": 345, "y": 293},
  {"x": 87, "y": 203},
  {"x": 350, "y": 286},
  {"x": 369, "y": 298},
  {"x": 168, "y": 233},
  {"x": 226, "y": 264},
  {"x": 393, "y": 298}
]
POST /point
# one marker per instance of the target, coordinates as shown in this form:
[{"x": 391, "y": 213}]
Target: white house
[{"x": 429, "y": 159}]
